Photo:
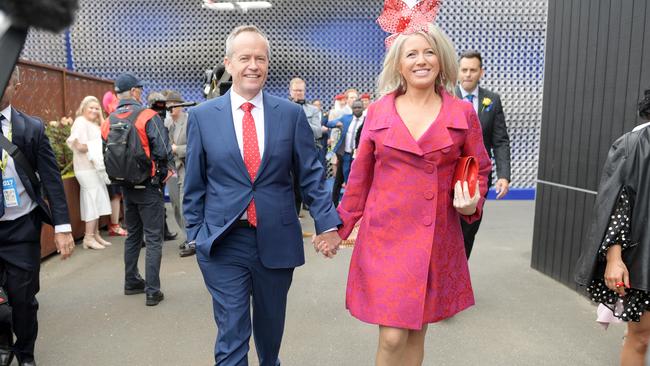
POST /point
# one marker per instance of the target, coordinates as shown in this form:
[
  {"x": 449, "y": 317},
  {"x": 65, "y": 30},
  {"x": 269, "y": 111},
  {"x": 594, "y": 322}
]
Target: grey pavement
[{"x": 521, "y": 317}]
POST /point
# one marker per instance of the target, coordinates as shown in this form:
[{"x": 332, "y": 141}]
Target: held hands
[
  {"x": 617, "y": 278},
  {"x": 464, "y": 204},
  {"x": 327, "y": 243},
  {"x": 64, "y": 244}
]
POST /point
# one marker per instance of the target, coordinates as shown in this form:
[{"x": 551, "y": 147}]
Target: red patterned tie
[{"x": 251, "y": 154}]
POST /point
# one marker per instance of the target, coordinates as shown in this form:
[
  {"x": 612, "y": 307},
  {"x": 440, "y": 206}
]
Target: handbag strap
[{"x": 20, "y": 159}]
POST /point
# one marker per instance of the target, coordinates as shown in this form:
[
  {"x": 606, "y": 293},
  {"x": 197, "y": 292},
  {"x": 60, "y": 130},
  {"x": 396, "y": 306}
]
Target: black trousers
[
  {"x": 338, "y": 180},
  {"x": 470, "y": 230},
  {"x": 144, "y": 210},
  {"x": 20, "y": 255}
]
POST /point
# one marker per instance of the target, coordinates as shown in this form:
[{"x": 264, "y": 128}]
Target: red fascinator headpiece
[{"x": 398, "y": 18}]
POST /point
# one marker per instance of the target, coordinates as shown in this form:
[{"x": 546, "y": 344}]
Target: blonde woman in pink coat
[{"x": 409, "y": 268}]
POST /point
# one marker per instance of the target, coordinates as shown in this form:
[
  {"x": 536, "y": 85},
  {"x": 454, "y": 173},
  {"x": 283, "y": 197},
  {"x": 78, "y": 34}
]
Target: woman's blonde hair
[
  {"x": 85, "y": 103},
  {"x": 391, "y": 80}
]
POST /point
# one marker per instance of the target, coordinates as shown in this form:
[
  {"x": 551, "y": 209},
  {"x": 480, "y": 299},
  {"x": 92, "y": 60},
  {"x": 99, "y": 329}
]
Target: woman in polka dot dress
[{"x": 615, "y": 265}]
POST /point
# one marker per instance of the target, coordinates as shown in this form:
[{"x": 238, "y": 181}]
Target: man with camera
[{"x": 143, "y": 201}]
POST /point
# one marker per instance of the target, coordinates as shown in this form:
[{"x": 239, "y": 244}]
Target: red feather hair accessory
[{"x": 398, "y": 18}]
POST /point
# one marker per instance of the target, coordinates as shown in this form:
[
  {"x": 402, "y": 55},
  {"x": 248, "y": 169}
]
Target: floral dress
[{"x": 635, "y": 302}]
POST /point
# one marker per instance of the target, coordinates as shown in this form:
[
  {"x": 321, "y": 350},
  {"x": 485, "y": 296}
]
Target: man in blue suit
[
  {"x": 22, "y": 212},
  {"x": 344, "y": 148},
  {"x": 242, "y": 150}
]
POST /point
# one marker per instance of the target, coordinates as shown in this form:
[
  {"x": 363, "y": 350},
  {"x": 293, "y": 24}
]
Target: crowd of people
[{"x": 240, "y": 168}]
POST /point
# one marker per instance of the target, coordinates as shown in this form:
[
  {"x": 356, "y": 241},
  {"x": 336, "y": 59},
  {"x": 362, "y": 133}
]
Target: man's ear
[{"x": 226, "y": 63}]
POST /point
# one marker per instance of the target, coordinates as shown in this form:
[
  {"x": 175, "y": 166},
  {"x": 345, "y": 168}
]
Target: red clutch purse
[{"x": 467, "y": 170}]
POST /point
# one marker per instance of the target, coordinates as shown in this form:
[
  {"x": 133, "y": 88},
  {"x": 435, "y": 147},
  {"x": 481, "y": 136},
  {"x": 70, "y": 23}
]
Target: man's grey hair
[
  {"x": 242, "y": 29},
  {"x": 124, "y": 95}
]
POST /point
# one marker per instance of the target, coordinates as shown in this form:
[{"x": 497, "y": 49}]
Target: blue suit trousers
[{"x": 234, "y": 275}]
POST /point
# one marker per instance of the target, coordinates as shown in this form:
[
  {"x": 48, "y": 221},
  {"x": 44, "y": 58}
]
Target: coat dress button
[
  {"x": 428, "y": 195},
  {"x": 429, "y": 168},
  {"x": 427, "y": 221}
]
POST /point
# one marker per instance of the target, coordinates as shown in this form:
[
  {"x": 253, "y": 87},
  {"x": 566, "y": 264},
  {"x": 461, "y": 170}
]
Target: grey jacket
[
  {"x": 313, "y": 117},
  {"x": 178, "y": 136}
]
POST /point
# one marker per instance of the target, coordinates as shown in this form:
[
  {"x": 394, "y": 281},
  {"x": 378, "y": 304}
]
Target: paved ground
[{"x": 521, "y": 316}]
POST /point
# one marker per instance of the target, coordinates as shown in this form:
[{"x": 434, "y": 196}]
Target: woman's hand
[
  {"x": 464, "y": 204},
  {"x": 616, "y": 271},
  {"x": 82, "y": 148}
]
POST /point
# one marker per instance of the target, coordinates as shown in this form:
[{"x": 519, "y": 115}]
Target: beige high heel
[
  {"x": 102, "y": 241},
  {"x": 89, "y": 242}
]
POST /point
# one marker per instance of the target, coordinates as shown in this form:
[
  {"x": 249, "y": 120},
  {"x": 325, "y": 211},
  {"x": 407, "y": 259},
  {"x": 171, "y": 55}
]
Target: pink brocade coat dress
[{"x": 409, "y": 267}]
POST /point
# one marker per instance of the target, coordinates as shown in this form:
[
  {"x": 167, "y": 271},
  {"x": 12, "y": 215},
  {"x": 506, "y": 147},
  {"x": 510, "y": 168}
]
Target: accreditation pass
[{"x": 10, "y": 192}]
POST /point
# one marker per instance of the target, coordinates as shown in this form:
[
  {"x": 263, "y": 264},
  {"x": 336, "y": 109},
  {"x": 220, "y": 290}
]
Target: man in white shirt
[
  {"x": 242, "y": 150},
  {"x": 487, "y": 105},
  {"x": 22, "y": 212},
  {"x": 350, "y": 125}
]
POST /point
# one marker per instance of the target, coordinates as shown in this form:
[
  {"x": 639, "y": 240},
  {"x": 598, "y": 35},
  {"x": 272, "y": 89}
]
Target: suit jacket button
[
  {"x": 426, "y": 220},
  {"x": 428, "y": 195},
  {"x": 429, "y": 168}
]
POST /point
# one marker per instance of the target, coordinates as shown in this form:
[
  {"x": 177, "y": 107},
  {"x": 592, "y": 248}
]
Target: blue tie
[{"x": 470, "y": 97}]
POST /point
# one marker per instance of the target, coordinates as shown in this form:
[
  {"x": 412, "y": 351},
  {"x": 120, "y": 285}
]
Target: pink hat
[{"x": 109, "y": 102}]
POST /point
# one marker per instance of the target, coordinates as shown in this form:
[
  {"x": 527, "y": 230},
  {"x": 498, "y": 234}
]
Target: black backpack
[{"x": 127, "y": 156}]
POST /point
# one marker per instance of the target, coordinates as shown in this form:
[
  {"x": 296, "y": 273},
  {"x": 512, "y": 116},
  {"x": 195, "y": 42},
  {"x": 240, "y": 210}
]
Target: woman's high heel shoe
[
  {"x": 89, "y": 242},
  {"x": 101, "y": 240}
]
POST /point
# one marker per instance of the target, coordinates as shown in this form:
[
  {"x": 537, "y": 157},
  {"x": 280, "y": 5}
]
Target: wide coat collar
[{"x": 437, "y": 137}]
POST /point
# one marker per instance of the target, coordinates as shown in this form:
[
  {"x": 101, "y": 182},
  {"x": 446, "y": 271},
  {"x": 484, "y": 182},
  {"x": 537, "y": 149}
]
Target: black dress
[{"x": 635, "y": 301}]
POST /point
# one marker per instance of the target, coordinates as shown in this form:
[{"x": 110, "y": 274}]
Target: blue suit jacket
[
  {"x": 347, "y": 121},
  {"x": 28, "y": 134},
  {"x": 218, "y": 189}
]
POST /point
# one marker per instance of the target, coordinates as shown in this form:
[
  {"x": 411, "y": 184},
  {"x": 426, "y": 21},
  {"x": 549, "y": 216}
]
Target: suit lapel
[
  {"x": 18, "y": 139},
  {"x": 272, "y": 122},
  {"x": 229, "y": 136},
  {"x": 482, "y": 114}
]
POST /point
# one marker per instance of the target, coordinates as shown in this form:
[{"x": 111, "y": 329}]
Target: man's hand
[
  {"x": 64, "y": 244},
  {"x": 339, "y": 124},
  {"x": 464, "y": 204},
  {"x": 327, "y": 243},
  {"x": 502, "y": 188},
  {"x": 324, "y": 129},
  {"x": 170, "y": 172}
]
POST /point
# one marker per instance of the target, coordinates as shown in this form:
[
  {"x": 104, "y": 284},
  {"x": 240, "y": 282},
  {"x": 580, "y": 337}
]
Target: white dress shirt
[
  {"x": 236, "y": 102},
  {"x": 474, "y": 93},
  {"x": 352, "y": 133},
  {"x": 26, "y": 203}
]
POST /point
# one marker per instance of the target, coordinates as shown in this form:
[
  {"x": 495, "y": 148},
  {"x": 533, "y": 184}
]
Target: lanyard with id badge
[{"x": 9, "y": 187}]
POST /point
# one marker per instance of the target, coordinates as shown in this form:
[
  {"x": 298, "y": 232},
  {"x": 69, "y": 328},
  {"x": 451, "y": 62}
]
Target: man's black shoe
[
  {"x": 170, "y": 236},
  {"x": 155, "y": 298},
  {"x": 27, "y": 363},
  {"x": 183, "y": 244},
  {"x": 134, "y": 290},
  {"x": 188, "y": 250},
  {"x": 6, "y": 356}
]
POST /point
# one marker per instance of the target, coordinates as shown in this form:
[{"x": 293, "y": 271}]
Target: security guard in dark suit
[
  {"x": 493, "y": 122},
  {"x": 22, "y": 212}
]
